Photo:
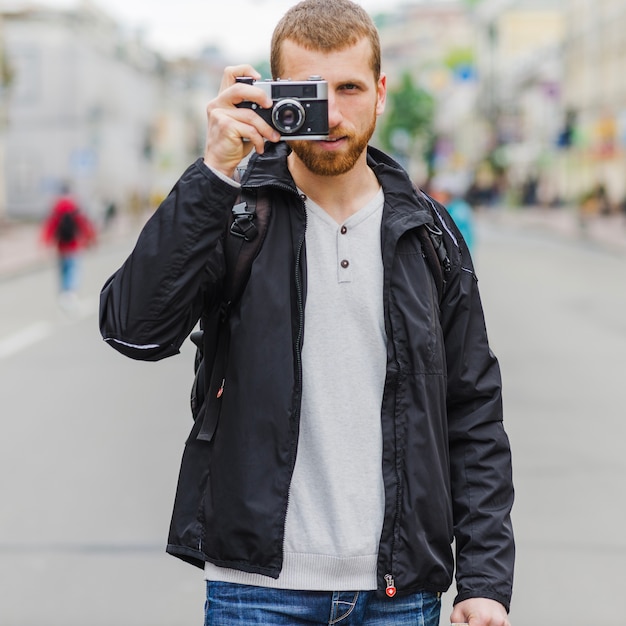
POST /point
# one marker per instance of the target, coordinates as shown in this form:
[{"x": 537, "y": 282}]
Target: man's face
[{"x": 355, "y": 99}]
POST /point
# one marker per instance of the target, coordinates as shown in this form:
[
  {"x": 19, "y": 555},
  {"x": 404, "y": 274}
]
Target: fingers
[
  {"x": 231, "y": 135},
  {"x": 233, "y": 131},
  {"x": 237, "y": 71}
]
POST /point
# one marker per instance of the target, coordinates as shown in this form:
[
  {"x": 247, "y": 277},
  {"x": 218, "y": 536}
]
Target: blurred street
[{"x": 90, "y": 442}]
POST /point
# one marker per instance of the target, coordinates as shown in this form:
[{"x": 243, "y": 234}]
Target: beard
[{"x": 325, "y": 163}]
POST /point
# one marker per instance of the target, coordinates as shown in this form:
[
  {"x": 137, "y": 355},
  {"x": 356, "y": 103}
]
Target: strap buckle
[{"x": 243, "y": 222}]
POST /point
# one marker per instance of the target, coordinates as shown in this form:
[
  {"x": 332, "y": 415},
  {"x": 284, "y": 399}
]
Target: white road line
[{"x": 24, "y": 338}]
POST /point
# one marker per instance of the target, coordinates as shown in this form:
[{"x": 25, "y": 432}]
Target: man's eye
[{"x": 349, "y": 87}]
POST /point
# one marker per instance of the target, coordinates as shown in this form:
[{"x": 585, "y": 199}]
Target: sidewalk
[
  {"x": 21, "y": 250},
  {"x": 606, "y": 232}
]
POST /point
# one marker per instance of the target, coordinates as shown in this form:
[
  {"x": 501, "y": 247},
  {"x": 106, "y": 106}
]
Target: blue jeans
[
  {"x": 68, "y": 269},
  {"x": 229, "y": 604}
]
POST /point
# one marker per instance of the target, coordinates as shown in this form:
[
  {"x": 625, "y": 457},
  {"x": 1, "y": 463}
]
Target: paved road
[
  {"x": 90, "y": 444},
  {"x": 89, "y": 450},
  {"x": 557, "y": 319}
]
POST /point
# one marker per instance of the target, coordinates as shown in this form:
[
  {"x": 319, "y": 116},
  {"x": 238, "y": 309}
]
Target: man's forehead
[
  {"x": 352, "y": 61},
  {"x": 359, "y": 46}
]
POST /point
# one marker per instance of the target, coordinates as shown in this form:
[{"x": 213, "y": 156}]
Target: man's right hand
[{"x": 229, "y": 125}]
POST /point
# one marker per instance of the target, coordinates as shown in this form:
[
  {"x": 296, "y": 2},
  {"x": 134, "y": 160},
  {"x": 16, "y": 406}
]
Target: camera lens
[{"x": 288, "y": 116}]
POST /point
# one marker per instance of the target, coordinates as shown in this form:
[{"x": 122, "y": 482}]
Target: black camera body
[{"x": 299, "y": 109}]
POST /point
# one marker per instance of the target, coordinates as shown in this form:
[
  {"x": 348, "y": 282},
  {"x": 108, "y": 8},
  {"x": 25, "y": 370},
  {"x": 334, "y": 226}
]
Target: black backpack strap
[
  {"x": 243, "y": 239},
  {"x": 250, "y": 217},
  {"x": 433, "y": 247},
  {"x": 435, "y": 253},
  {"x": 243, "y": 213}
]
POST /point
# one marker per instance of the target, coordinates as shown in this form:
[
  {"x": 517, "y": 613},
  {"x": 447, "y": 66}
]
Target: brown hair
[{"x": 325, "y": 25}]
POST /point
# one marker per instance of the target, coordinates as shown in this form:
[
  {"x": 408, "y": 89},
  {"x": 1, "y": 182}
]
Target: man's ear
[{"x": 381, "y": 94}]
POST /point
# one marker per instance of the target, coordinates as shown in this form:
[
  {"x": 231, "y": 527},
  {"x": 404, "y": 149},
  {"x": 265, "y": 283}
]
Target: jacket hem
[
  {"x": 198, "y": 558},
  {"x": 193, "y": 557}
]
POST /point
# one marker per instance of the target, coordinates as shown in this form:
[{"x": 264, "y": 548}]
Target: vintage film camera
[{"x": 299, "y": 110}]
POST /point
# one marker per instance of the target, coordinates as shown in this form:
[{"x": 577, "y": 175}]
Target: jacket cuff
[
  {"x": 226, "y": 179},
  {"x": 489, "y": 595}
]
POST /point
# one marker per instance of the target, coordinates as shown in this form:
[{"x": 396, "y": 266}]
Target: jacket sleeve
[
  {"x": 480, "y": 457},
  {"x": 151, "y": 304}
]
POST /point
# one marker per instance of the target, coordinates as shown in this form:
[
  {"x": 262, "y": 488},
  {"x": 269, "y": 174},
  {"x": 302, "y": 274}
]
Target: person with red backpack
[{"x": 70, "y": 231}]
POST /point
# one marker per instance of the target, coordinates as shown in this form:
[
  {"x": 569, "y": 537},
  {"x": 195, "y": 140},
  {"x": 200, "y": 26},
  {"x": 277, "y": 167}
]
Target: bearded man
[{"x": 349, "y": 421}]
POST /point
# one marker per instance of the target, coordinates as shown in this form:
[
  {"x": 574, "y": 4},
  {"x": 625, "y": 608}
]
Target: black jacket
[{"x": 446, "y": 457}]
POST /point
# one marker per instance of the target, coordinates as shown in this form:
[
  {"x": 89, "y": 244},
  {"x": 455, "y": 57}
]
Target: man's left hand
[{"x": 480, "y": 612}]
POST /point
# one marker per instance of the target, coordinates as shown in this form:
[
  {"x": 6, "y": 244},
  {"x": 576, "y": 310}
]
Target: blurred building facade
[
  {"x": 495, "y": 68},
  {"x": 533, "y": 88},
  {"x": 434, "y": 40},
  {"x": 594, "y": 147},
  {"x": 552, "y": 91},
  {"x": 95, "y": 108},
  {"x": 521, "y": 81}
]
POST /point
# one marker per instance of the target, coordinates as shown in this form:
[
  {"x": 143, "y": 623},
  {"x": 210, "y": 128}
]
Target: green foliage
[
  {"x": 263, "y": 68},
  {"x": 409, "y": 116}
]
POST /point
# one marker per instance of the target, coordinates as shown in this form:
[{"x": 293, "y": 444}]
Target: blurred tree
[{"x": 407, "y": 126}]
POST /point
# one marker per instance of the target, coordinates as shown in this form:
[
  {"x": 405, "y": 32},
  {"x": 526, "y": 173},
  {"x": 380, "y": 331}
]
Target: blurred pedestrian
[
  {"x": 463, "y": 215},
  {"x": 70, "y": 231},
  {"x": 449, "y": 193}
]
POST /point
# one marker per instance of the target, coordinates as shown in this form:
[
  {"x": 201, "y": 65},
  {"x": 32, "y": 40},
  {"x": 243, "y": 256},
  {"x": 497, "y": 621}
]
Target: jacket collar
[
  {"x": 405, "y": 206},
  {"x": 269, "y": 168}
]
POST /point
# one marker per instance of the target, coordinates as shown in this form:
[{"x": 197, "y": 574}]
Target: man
[{"x": 351, "y": 425}]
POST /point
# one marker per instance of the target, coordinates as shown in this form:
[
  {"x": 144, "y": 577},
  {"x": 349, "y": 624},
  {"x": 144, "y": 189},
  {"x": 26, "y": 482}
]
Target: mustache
[{"x": 339, "y": 133}]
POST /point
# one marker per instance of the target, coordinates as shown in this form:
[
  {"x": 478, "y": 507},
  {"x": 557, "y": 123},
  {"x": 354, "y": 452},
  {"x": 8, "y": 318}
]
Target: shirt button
[
  {"x": 344, "y": 230},
  {"x": 345, "y": 264}
]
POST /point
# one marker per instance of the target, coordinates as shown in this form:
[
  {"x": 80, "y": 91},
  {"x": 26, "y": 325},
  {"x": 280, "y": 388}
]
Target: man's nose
[{"x": 334, "y": 113}]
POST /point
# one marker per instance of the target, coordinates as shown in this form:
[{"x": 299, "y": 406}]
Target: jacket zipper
[
  {"x": 300, "y": 297},
  {"x": 390, "y": 590},
  {"x": 390, "y": 587}
]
